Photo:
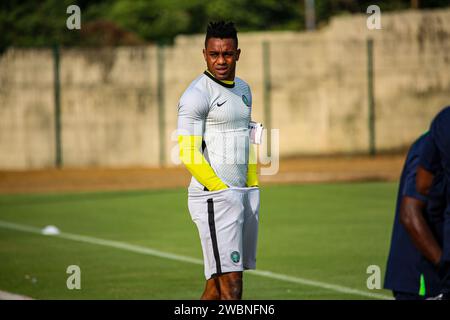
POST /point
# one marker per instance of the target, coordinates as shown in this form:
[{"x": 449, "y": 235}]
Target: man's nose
[{"x": 221, "y": 59}]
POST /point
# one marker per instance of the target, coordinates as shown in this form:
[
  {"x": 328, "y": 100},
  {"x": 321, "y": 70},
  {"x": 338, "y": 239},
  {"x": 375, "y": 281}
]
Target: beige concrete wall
[
  {"x": 109, "y": 107},
  {"x": 26, "y": 109},
  {"x": 319, "y": 92}
]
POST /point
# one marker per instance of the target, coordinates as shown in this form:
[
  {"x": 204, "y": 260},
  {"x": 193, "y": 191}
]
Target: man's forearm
[
  {"x": 252, "y": 174},
  {"x": 196, "y": 163},
  {"x": 411, "y": 216}
]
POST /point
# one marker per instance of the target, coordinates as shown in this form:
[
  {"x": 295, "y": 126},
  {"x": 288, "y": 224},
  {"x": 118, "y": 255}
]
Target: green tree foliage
[
  {"x": 115, "y": 22},
  {"x": 36, "y": 23}
]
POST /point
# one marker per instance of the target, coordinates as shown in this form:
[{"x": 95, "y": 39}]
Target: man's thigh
[{"x": 219, "y": 217}]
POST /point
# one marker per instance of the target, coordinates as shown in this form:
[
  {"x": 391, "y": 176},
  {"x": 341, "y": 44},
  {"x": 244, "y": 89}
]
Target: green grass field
[{"x": 328, "y": 233}]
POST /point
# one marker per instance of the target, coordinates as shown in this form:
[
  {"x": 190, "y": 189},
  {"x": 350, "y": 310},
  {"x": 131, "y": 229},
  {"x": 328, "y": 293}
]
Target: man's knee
[
  {"x": 211, "y": 290},
  {"x": 231, "y": 286}
]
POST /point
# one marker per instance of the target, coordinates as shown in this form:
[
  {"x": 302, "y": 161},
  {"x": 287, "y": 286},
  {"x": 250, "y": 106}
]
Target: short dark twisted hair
[{"x": 222, "y": 30}]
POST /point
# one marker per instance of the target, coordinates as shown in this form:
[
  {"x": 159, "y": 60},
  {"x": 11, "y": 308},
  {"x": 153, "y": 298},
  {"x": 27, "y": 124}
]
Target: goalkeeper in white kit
[{"x": 214, "y": 115}]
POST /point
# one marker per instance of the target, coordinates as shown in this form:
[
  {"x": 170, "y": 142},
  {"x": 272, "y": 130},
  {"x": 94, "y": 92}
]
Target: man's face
[{"x": 221, "y": 56}]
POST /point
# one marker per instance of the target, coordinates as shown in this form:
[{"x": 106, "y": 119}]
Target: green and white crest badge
[{"x": 235, "y": 256}]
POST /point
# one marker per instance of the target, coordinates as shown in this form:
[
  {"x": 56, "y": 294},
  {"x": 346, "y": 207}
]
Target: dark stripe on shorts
[{"x": 212, "y": 230}]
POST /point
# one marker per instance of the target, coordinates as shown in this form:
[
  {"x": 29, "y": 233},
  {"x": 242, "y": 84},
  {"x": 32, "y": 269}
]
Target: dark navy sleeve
[
  {"x": 430, "y": 158},
  {"x": 409, "y": 187}
]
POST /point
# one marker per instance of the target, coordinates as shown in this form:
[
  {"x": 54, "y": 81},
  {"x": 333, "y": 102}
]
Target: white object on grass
[{"x": 50, "y": 231}]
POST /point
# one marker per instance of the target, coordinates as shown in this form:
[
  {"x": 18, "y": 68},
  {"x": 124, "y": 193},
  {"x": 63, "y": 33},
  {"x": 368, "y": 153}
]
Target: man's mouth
[{"x": 222, "y": 70}]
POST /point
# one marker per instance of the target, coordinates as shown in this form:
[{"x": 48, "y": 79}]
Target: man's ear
[
  {"x": 204, "y": 54},
  {"x": 238, "y": 53}
]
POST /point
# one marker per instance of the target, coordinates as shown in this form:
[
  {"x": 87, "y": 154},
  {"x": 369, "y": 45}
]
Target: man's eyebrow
[{"x": 217, "y": 51}]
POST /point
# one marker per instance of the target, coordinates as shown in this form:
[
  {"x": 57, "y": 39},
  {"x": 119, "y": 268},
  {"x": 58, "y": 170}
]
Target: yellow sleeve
[
  {"x": 196, "y": 163},
  {"x": 252, "y": 174}
]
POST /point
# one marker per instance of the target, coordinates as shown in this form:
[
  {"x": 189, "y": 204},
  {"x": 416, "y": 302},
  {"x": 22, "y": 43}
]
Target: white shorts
[{"x": 227, "y": 222}]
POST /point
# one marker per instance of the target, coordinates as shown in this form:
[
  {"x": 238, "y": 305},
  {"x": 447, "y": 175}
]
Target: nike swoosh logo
[{"x": 220, "y": 104}]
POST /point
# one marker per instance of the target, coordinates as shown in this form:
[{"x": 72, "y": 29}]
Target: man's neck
[{"x": 224, "y": 81}]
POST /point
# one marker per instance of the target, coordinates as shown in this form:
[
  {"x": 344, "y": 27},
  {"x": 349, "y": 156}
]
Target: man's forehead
[{"x": 219, "y": 44}]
